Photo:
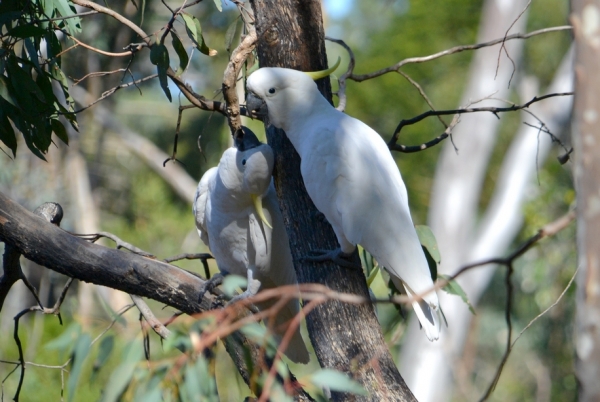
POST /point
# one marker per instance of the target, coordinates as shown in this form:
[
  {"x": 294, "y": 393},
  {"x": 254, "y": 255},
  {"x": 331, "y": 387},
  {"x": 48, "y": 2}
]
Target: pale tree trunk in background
[
  {"x": 427, "y": 367},
  {"x": 174, "y": 175},
  {"x": 586, "y": 141},
  {"x": 87, "y": 221}
]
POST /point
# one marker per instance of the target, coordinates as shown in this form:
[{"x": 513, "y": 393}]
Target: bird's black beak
[
  {"x": 257, "y": 108},
  {"x": 246, "y": 140}
]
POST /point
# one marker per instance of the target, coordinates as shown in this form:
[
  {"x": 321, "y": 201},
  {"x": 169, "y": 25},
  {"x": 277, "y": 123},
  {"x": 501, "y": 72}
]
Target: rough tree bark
[
  {"x": 52, "y": 247},
  {"x": 586, "y": 140},
  {"x": 345, "y": 337}
]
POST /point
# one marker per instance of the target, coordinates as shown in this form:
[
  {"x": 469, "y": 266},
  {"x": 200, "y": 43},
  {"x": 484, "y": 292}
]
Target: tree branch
[
  {"x": 392, "y": 144},
  {"x": 69, "y": 255}
]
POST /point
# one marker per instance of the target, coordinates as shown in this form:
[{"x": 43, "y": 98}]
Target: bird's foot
[
  {"x": 251, "y": 290},
  {"x": 209, "y": 285},
  {"x": 336, "y": 256}
]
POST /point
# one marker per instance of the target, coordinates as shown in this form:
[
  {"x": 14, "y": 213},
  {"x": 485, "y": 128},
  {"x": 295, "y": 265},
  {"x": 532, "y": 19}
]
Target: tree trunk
[
  {"x": 586, "y": 141},
  {"x": 345, "y": 337}
]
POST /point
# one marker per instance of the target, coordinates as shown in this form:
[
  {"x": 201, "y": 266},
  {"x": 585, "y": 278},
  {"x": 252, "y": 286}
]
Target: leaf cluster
[{"x": 30, "y": 70}]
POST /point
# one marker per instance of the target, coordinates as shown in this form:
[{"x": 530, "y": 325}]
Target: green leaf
[
  {"x": 121, "y": 376},
  {"x": 430, "y": 249},
  {"x": 26, "y": 31},
  {"x": 454, "y": 288},
  {"x": 260, "y": 335},
  {"x": 7, "y": 134},
  {"x": 5, "y": 90},
  {"x": 427, "y": 239},
  {"x": 230, "y": 34},
  {"x": 372, "y": 276},
  {"x": 199, "y": 384},
  {"x": 59, "y": 130},
  {"x": 82, "y": 349},
  {"x": 65, "y": 341},
  {"x": 231, "y": 283},
  {"x": 181, "y": 53},
  {"x": 219, "y": 5},
  {"x": 26, "y": 91},
  {"x": 159, "y": 56},
  {"x": 73, "y": 24},
  {"x": 336, "y": 381},
  {"x": 54, "y": 47},
  {"x": 194, "y": 31},
  {"x": 104, "y": 351}
]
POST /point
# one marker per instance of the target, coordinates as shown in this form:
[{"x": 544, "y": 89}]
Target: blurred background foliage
[{"x": 137, "y": 205}]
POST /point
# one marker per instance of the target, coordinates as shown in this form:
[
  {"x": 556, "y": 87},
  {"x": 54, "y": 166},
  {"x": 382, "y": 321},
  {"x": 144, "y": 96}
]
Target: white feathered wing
[{"x": 229, "y": 225}]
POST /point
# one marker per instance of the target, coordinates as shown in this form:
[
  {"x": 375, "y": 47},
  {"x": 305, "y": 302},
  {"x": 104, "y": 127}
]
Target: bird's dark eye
[
  {"x": 272, "y": 90},
  {"x": 244, "y": 162}
]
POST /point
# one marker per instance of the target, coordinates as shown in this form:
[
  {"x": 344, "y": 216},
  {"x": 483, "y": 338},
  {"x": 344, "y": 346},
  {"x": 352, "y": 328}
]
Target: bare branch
[
  {"x": 103, "y": 52},
  {"x": 238, "y": 57},
  {"x": 120, "y": 243},
  {"x": 456, "y": 49},
  {"x": 115, "y": 15},
  {"x": 392, "y": 144},
  {"x": 150, "y": 318},
  {"x": 111, "y": 91},
  {"x": 503, "y": 47}
]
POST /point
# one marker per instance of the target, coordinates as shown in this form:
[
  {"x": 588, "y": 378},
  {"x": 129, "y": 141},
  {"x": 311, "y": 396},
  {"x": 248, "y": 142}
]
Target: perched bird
[
  {"x": 352, "y": 179},
  {"x": 238, "y": 218}
]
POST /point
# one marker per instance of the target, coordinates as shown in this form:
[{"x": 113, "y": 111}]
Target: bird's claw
[
  {"x": 209, "y": 285},
  {"x": 336, "y": 256}
]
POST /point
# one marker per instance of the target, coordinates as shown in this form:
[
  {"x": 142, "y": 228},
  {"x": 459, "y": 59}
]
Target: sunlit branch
[
  {"x": 392, "y": 144},
  {"x": 115, "y": 15},
  {"x": 454, "y": 50}
]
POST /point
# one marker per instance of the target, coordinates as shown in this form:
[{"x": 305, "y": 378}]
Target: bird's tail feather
[
  {"x": 428, "y": 316},
  {"x": 296, "y": 350}
]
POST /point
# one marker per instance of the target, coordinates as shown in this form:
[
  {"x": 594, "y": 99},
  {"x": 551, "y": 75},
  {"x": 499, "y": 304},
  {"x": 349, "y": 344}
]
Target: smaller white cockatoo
[
  {"x": 352, "y": 179},
  {"x": 238, "y": 218}
]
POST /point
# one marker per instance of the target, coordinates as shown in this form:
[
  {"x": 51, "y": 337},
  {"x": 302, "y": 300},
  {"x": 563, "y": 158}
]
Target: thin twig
[
  {"x": 150, "y": 318},
  {"x": 111, "y": 91},
  {"x": 94, "y": 237},
  {"x": 115, "y": 15},
  {"x": 503, "y": 46},
  {"x": 456, "y": 49},
  {"x": 392, "y": 144},
  {"x": 547, "y": 308}
]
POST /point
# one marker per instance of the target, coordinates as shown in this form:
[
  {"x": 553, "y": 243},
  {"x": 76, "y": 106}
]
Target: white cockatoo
[
  {"x": 352, "y": 179},
  {"x": 238, "y": 218}
]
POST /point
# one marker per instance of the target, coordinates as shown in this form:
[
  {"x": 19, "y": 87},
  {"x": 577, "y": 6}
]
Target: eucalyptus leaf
[
  {"x": 181, "y": 53},
  {"x": 64, "y": 8},
  {"x": 159, "y": 56},
  {"x": 6, "y": 89},
  {"x": 427, "y": 239},
  {"x": 82, "y": 349},
  {"x": 454, "y": 288},
  {"x": 230, "y": 33},
  {"x": 26, "y": 31},
  {"x": 219, "y": 5},
  {"x": 231, "y": 283},
  {"x": 7, "y": 134},
  {"x": 104, "y": 351},
  {"x": 122, "y": 375},
  {"x": 336, "y": 381},
  {"x": 65, "y": 341},
  {"x": 194, "y": 31}
]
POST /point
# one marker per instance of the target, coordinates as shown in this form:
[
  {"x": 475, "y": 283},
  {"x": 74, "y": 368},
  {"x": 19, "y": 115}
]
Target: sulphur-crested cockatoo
[
  {"x": 352, "y": 179},
  {"x": 238, "y": 218}
]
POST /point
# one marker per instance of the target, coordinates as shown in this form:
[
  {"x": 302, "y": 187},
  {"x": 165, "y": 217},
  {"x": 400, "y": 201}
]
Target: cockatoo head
[
  {"x": 284, "y": 95},
  {"x": 254, "y": 161}
]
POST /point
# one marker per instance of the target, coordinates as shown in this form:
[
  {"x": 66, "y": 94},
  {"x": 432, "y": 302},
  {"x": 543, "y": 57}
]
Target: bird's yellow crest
[{"x": 315, "y": 75}]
